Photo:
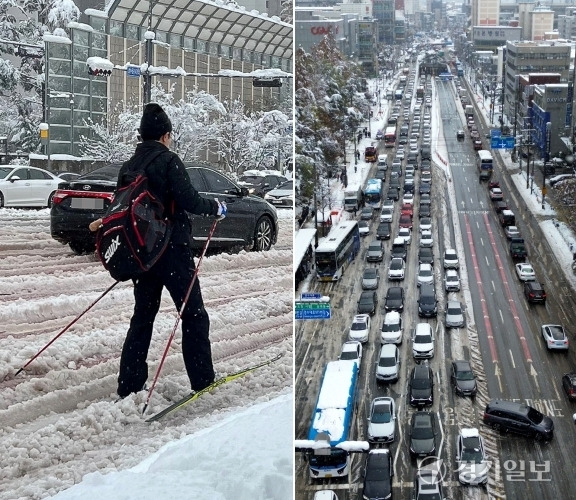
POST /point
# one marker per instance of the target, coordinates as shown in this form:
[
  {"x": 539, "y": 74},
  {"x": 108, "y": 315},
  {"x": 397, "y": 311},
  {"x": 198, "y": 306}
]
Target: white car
[
  {"x": 496, "y": 194},
  {"x": 471, "y": 458},
  {"x": 386, "y": 215},
  {"x": 451, "y": 259},
  {"x": 426, "y": 239},
  {"x": 425, "y": 275},
  {"x": 397, "y": 269},
  {"x": 388, "y": 204},
  {"x": 352, "y": 351},
  {"x": 423, "y": 341},
  {"x": 525, "y": 272},
  {"x": 425, "y": 224},
  {"x": 454, "y": 314},
  {"x": 406, "y": 234},
  {"x": 382, "y": 420},
  {"x": 388, "y": 368},
  {"x": 360, "y": 328},
  {"x": 391, "y": 328},
  {"x": 451, "y": 280},
  {"x": 408, "y": 198},
  {"x": 24, "y": 186}
]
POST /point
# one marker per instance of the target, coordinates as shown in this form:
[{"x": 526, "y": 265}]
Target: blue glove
[{"x": 222, "y": 209}]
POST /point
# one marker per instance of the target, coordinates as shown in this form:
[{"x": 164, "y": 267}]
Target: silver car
[
  {"x": 382, "y": 420},
  {"x": 454, "y": 314},
  {"x": 370, "y": 278}
]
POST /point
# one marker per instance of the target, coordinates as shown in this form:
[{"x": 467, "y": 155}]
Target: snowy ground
[{"x": 59, "y": 419}]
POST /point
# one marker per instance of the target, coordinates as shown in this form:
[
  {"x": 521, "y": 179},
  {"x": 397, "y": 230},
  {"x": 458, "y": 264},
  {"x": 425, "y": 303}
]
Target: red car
[
  {"x": 407, "y": 209},
  {"x": 405, "y": 220}
]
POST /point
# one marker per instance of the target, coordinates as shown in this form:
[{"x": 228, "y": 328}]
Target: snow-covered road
[{"x": 58, "y": 419}]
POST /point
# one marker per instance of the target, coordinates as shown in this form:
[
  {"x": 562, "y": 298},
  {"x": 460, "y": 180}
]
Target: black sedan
[
  {"x": 421, "y": 386},
  {"x": 378, "y": 475},
  {"x": 367, "y": 303},
  {"x": 425, "y": 256},
  {"x": 394, "y": 299},
  {"x": 463, "y": 378},
  {"x": 251, "y": 222},
  {"x": 423, "y": 434}
]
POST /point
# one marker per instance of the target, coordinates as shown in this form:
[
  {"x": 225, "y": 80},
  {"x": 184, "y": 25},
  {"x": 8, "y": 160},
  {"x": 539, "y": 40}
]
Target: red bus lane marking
[
  {"x": 487, "y": 323},
  {"x": 506, "y": 285}
]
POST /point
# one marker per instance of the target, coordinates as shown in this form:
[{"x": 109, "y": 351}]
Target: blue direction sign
[
  {"x": 503, "y": 142},
  {"x": 133, "y": 71},
  {"x": 495, "y": 132},
  {"x": 312, "y": 310},
  {"x": 310, "y": 296}
]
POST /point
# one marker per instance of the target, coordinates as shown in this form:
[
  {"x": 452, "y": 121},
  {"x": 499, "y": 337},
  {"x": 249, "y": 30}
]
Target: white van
[{"x": 352, "y": 199}]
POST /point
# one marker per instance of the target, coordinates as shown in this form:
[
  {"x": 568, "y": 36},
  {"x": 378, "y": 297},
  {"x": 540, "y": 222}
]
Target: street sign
[
  {"x": 312, "y": 310},
  {"x": 133, "y": 71},
  {"x": 503, "y": 142},
  {"x": 495, "y": 132},
  {"x": 310, "y": 296}
]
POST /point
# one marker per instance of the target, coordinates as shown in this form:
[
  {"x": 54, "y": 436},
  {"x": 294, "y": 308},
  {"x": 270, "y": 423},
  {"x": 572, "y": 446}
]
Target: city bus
[
  {"x": 303, "y": 253},
  {"x": 485, "y": 164},
  {"x": 373, "y": 193},
  {"x": 390, "y": 137},
  {"x": 336, "y": 250},
  {"x": 332, "y": 419},
  {"x": 445, "y": 76}
]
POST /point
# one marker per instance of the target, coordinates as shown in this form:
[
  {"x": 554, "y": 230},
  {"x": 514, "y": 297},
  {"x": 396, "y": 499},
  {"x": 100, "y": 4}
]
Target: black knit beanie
[{"x": 154, "y": 123}]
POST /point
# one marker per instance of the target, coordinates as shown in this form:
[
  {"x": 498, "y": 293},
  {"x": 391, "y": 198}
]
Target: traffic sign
[
  {"x": 495, "y": 132},
  {"x": 503, "y": 142},
  {"x": 312, "y": 310},
  {"x": 310, "y": 296},
  {"x": 133, "y": 71}
]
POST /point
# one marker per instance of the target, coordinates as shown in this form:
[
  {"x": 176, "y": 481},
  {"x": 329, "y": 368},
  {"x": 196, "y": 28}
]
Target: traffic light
[
  {"x": 267, "y": 82},
  {"x": 98, "y": 66},
  {"x": 99, "y": 71}
]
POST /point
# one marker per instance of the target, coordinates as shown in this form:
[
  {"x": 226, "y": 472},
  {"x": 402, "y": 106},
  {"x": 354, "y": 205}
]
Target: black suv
[
  {"x": 427, "y": 303},
  {"x": 509, "y": 416},
  {"x": 534, "y": 292},
  {"x": 378, "y": 475},
  {"x": 421, "y": 386}
]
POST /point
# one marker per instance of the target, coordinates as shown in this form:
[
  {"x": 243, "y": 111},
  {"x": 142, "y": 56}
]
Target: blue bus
[
  {"x": 332, "y": 419},
  {"x": 336, "y": 250},
  {"x": 373, "y": 193},
  {"x": 445, "y": 77}
]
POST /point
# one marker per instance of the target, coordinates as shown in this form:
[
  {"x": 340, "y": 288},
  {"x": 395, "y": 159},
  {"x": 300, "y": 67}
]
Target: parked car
[
  {"x": 394, "y": 299},
  {"x": 367, "y": 213},
  {"x": 370, "y": 278},
  {"x": 388, "y": 367},
  {"x": 471, "y": 458},
  {"x": 534, "y": 292},
  {"x": 386, "y": 215},
  {"x": 425, "y": 256},
  {"x": 378, "y": 475},
  {"x": 427, "y": 301},
  {"x": 525, "y": 271},
  {"x": 460, "y": 134},
  {"x": 282, "y": 196},
  {"x": 454, "y": 314},
  {"x": 425, "y": 275},
  {"x": 463, "y": 378},
  {"x": 391, "y": 328},
  {"x": 405, "y": 221},
  {"x": 253, "y": 223},
  {"x": 425, "y": 223},
  {"x": 511, "y": 232},
  {"x": 375, "y": 251},
  {"x": 423, "y": 341},
  {"x": 555, "y": 337},
  {"x": 496, "y": 194},
  {"x": 424, "y": 210},
  {"x": 360, "y": 328},
  {"x": 24, "y": 186},
  {"x": 422, "y": 434},
  {"x": 367, "y": 303},
  {"x": 428, "y": 485},
  {"x": 406, "y": 233},
  {"x": 383, "y": 231},
  {"x": 259, "y": 182},
  {"x": 511, "y": 416},
  {"x": 363, "y": 228},
  {"x": 382, "y": 420},
  {"x": 426, "y": 239},
  {"x": 451, "y": 259}
]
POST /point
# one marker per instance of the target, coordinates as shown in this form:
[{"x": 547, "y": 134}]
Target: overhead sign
[
  {"x": 310, "y": 296},
  {"x": 503, "y": 142},
  {"x": 312, "y": 310}
]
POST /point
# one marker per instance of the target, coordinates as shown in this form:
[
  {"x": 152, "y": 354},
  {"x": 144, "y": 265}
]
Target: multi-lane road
[{"x": 501, "y": 337}]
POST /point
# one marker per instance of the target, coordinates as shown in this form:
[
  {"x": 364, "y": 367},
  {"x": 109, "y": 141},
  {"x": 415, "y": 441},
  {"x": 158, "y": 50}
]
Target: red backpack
[{"x": 135, "y": 230}]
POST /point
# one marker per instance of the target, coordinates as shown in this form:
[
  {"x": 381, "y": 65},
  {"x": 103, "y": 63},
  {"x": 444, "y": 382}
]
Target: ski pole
[
  {"x": 66, "y": 327},
  {"x": 185, "y": 301}
]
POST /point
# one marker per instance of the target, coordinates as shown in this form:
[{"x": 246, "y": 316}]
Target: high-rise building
[{"x": 485, "y": 12}]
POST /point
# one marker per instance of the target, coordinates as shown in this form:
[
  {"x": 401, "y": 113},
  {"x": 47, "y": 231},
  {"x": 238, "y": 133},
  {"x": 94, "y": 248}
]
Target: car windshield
[
  {"x": 421, "y": 383},
  {"x": 349, "y": 355},
  {"x": 4, "y": 171},
  {"x": 423, "y": 339},
  {"x": 382, "y": 413},
  {"x": 424, "y": 273},
  {"x": 386, "y": 362},
  {"x": 358, "y": 325},
  {"x": 535, "y": 416},
  {"x": 465, "y": 375},
  {"x": 251, "y": 179},
  {"x": 455, "y": 310},
  {"x": 286, "y": 185},
  {"x": 370, "y": 273},
  {"x": 422, "y": 429},
  {"x": 556, "y": 332},
  {"x": 107, "y": 173},
  {"x": 471, "y": 451}
]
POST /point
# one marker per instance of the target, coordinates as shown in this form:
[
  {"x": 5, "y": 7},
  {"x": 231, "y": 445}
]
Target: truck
[
  {"x": 518, "y": 248},
  {"x": 370, "y": 154},
  {"x": 398, "y": 94},
  {"x": 469, "y": 111},
  {"x": 353, "y": 198}
]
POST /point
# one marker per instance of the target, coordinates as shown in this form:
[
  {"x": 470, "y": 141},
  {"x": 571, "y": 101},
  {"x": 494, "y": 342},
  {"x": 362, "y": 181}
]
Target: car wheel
[
  {"x": 81, "y": 247},
  {"x": 51, "y": 199},
  {"x": 1, "y": 200},
  {"x": 263, "y": 235}
]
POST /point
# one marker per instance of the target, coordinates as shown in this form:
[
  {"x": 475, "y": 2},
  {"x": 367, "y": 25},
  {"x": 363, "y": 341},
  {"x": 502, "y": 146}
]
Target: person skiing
[{"x": 169, "y": 181}]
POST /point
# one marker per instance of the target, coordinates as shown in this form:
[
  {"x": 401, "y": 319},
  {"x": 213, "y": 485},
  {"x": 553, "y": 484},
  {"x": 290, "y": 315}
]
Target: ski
[{"x": 217, "y": 383}]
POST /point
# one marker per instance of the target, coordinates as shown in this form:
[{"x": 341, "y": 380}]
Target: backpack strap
[{"x": 142, "y": 167}]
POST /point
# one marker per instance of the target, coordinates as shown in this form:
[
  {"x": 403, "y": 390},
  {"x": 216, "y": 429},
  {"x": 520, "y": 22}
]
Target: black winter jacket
[{"x": 169, "y": 181}]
